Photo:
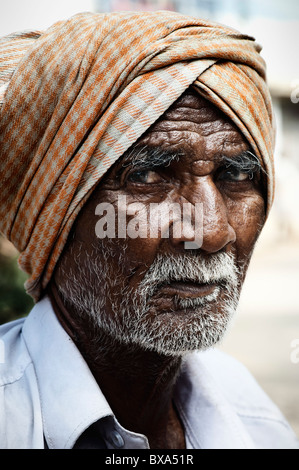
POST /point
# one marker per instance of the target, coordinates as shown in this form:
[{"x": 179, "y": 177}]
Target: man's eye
[
  {"x": 144, "y": 176},
  {"x": 235, "y": 175}
]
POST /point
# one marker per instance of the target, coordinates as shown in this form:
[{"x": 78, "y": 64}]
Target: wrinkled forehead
[
  {"x": 191, "y": 99},
  {"x": 193, "y": 108},
  {"x": 190, "y": 115}
]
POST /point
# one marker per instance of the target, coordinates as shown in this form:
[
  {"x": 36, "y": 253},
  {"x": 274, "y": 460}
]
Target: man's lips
[{"x": 187, "y": 289}]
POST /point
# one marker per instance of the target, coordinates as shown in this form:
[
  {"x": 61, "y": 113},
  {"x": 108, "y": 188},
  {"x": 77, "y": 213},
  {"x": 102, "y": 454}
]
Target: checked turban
[{"x": 75, "y": 97}]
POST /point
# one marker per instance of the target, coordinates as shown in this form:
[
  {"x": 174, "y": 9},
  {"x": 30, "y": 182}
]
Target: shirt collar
[{"x": 71, "y": 400}]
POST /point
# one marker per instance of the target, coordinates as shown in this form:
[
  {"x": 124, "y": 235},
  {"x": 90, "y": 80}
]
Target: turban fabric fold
[{"x": 75, "y": 97}]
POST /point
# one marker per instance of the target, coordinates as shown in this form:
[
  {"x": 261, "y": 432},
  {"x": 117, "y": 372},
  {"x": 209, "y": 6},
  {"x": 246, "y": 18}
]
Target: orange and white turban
[{"x": 75, "y": 97}]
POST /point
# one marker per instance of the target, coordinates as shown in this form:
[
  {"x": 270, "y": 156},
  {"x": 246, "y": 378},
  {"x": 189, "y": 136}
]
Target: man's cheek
[
  {"x": 140, "y": 248},
  {"x": 247, "y": 222}
]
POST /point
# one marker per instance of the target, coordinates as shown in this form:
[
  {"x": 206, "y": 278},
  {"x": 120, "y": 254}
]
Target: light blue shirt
[{"x": 47, "y": 393}]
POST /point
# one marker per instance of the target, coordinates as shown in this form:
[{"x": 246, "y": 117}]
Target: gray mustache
[{"x": 218, "y": 268}]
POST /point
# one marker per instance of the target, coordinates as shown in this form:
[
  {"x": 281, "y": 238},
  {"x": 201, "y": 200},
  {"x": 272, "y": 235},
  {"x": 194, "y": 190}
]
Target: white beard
[{"x": 201, "y": 323}]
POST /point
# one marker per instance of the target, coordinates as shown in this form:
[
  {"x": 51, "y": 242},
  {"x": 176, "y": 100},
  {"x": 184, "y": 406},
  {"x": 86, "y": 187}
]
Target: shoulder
[
  {"x": 262, "y": 418},
  {"x": 19, "y": 399},
  {"x": 14, "y": 357},
  {"x": 237, "y": 384}
]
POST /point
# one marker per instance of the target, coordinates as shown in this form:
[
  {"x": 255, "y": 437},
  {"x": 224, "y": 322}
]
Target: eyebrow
[
  {"x": 145, "y": 157},
  {"x": 246, "y": 162},
  {"x": 148, "y": 157}
]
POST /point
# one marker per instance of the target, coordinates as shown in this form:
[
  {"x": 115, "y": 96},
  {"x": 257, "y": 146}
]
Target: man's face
[{"x": 154, "y": 292}]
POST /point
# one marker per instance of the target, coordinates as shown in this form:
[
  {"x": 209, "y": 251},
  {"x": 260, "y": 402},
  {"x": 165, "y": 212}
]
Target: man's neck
[
  {"x": 138, "y": 384},
  {"x": 139, "y": 388}
]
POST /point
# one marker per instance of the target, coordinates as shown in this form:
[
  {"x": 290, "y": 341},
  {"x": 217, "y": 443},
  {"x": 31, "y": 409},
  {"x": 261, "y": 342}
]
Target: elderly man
[{"x": 111, "y": 125}]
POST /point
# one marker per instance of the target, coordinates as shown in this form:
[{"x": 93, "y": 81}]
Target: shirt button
[{"x": 116, "y": 439}]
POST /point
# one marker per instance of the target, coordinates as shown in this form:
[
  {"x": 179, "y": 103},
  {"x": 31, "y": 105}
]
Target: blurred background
[{"x": 267, "y": 325}]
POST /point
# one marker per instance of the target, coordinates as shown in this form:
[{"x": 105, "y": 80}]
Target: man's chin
[{"x": 181, "y": 331}]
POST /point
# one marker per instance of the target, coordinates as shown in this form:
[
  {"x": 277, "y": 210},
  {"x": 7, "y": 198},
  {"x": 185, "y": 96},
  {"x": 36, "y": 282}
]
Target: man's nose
[{"x": 215, "y": 229}]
